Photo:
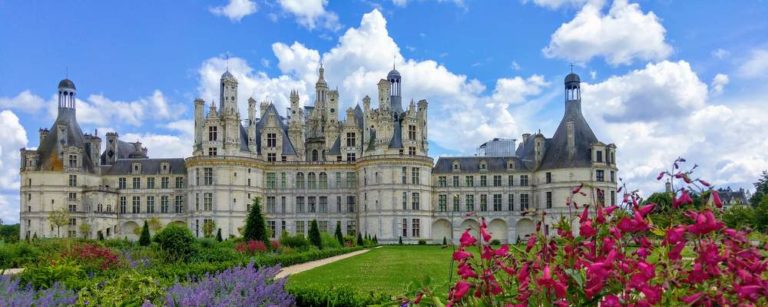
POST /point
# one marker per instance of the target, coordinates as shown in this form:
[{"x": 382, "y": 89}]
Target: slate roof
[
  {"x": 125, "y": 150},
  {"x": 148, "y": 166},
  {"x": 66, "y": 83},
  {"x": 729, "y": 196},
  {"x": 444, "y": 165},
  {"x": 397, "y": 135},
  {"x": 336, "y": 148},
  {"x": 50, "y": 157},
  {"x": 556, "y": 153},
  {"x": 288, "y": 148}
]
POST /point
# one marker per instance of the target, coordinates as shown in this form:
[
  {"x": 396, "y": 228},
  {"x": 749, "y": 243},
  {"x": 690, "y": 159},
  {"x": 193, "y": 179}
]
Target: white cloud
[
  {"x": 100, "y": 110},
  {"x": 721, "y": 53},
  {"x": 24, "y": 101},
  {"x": 719, "y": 83},
  {"x": 311, "y": 13},
  {"x": 163, "y": 145},
  {"x": 622, "y": 35},
  {"x": 12, "y": 138},
  {"x": 9, "y": 208},
  {"x": 756, "y": 65},
  {"x": 555, "y": 4},
  {"x": 235, "y": 10},
  {"x": 404, "y": 3}
]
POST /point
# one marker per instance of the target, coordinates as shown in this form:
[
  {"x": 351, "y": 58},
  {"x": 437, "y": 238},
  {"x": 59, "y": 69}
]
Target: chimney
[{"x": 43, "y": 135}]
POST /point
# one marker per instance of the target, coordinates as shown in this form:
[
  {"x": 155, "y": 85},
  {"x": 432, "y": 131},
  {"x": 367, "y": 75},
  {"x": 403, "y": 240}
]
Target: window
[
  {"x": 601, "y": 197},
  {"x": 150, "y": 204},
  {"x": 164, "y": 182},
  {"x": 72, "y": 180},
  {"x": 72, "y": 196},
  {"x": 271, "y": 180},
  {"x": 271, "y": 157},
  {"x": 456, "y": 204},
  {"x": 300, "y": 180},
  {"x": 179, "y": 182},
  {"x": 483, "y": 181},
  {"x": 338, "y": 204},
  {"x": 135, "y": 204},
  {"x": 523, "y": 202},
  {"x": 212, "y": 133},
  {"x": 483, "y": 166},
  {"x": 272, "y": 228},
  {"x": 415, "y": 201},
  {"x": 405, "y": 227},
  {"x": 300, "y": 227},
  {"x": 350, "y": 139},
  {"x": 136, "y": 183},
  {"x": 150, "y": 183},
  {"x": 411, "y": 151},
  {"x": 600, "y": 175},
  {"x": 497, "y": 181},
  {"x": 164, "y": 204},
  {"x": 323, "y": 204},
  {"x": 300, "y": 204},
  {"x": 470, "y": 181},
  {"x": 524, "y": 180},
  {"x": 323, "y": 180},
  {"x": 599, "y": 156},
  {"x": 282, "y": 204},
  {"x": 415, "y": 175},
  {"x": 312, "y": 204},
  {"x": 496, "y": 202},
  {"x": 121, "y": 183},
  {"x": 72, "y": 161},
  {"x": 415, "y": 228},
  {"x": 314, "y": 155},
  {"x": 483, "y": 202},
  {"x": 412, "y": 132},
  {"x": 442, "y": 203},
  {"x": 312, "y": 181},
  {"x": 351, "y": 180},
  {"x": 455, "y": 181},
  {"x": 271, "y": 140},
  {"x": 549, "y": 200},
  {"x": 613, "y": 176},
  {"x": 405, "y": 200},
  {"x": 323, "y": 226},
  {"x": 179, "y": 204},
  {"x": 511, "y": 202},
  {"x": 282, "y": 226},
  {"x": 470, "y": 202},
  {"x": 351, "y": 157},
  {"x": 212, "y": 151},
  {"x": 207, "y": 201},
  {"x": 351, "y": 228},
  {"x": 350, "y": 204},
  {"x": 72, "y": 208},
  {"x": 282, "y": 180},
  {"x": 208, "y": 176},
  {"x": 404, "y": 177},
  {"x": 270, "y": 204},
  {"x": 122, "y": 204},
  {"x": 613, "y": 198},
  {"x": 511, "y": 180},
  {"x": 72, "y": 222},
  {"x": 442, "y": 182},
  {"x": 549, "y": 177}
]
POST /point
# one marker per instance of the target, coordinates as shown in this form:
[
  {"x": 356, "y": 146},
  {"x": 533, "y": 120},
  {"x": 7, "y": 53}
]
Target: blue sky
[{"x": 662, "y": 78}]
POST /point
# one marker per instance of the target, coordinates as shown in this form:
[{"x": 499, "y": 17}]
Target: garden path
[
  {"x": 294, "y": 269},
  {"x": 11, "y": 271}
]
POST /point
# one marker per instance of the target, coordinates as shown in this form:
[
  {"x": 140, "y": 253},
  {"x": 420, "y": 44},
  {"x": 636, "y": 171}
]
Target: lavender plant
[
  {"x": 238, "y": 286},
  {"x": 13, "y": 294}
]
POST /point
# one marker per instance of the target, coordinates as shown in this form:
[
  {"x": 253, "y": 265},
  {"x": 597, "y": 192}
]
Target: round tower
[{"x": 67, "y": 94}]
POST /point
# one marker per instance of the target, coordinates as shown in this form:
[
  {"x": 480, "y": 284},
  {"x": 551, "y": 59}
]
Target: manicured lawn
[{"x": 388, "y": 269}]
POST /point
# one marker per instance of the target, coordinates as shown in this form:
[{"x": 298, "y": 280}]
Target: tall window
[
  {"x": 271, "y": 140},
  {"x": 121, "y": 183},
  {"x": 271, "y": 180},
  {"x": 523, "y": 202},
  {"x": 300, "y": 204},
  {"x": 72, "y": 180},
  {"x": 415, "y": 175},
  {"x": 470, "y": 181},
  {"x": 599, "y": 156},
  {"x": 323, "y": 204},
  {"x": 442, "y": 182},
  {"x": 299, "y": 180},
  {"x": 312, "y": 204},
  {"x": 404, "y": 177},
  {"x": 123, "y": 204},
  {"x": 164, "y": 204},
  {"x": 456, "y": 204},
  {"x": 164, "y": 182},
  {"x": 282, "y": 180},
  {"x": 136, "y": 183},
  {"x": 179, "y": 204},
  {"x": 415, "y": 228},
  {"x": 405, "y": 227},
  {"x": 350, "y": 204},
  {"x": 455, "y": 181},
  {"x": 412, "y": 132},
  {"x": 323, "y": 180},
  {"x": 496, "y": 202},
  {"x": 270, "y": 204},
  {"x": 483, "y": 202},
  {"x": 212, "y": 133},
  {"x": 405, "y": 200},
  {"x": 524, "y": 180},
  {"x": 470, "y": 200},
  {"x": 151, "y": 183},
  {"x": 442, "y": 202},
  {"x": 150, "y": 204},
  {"x": 282, "y": 204},
  {"x": 483, "y": 181},
  {"x": 73, "y": 161},
  {"x": 312, "y": 181},
  {"x": 300, "y": 227},
  {"x": 271, "y": 157},
  {"x": 208, "y": 176},
  {"x": 135, "y": 204},
  {"x": 549, "y": 177},
  {"x": 271, "y": 225},
  {"x": 411, "y": 151},
  {"x": 600, "y": 175},
  {"x": 179, "y": 182},
  {"x": 511, "y": 202},
  {"x": 511, "y": 179},
  {"x": 497, "y": 180},
  {"x": 549, "y": 200},
  {"x": 415, "y": 201},
  {"x": 350, "y": 139},
  {"x": 351, "y": 180},
  {"x": 212, "y": 151},
  {"x": 207, "y": 201},
  {"x": 351, "y": 228}
]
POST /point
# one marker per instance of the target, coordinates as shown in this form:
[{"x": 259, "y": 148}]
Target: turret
[
  {"x": 394, "y": 90},
  {"x": 111, "y": 153},
  {"x": 252, "y": 125},
  {"x": 67, "y": 95},
  {"x": 538, "y": 148},
  {"x": 43, "y": 134},
  {"x": 383, "y": 94},
  {"x": 228, "y": 94}
]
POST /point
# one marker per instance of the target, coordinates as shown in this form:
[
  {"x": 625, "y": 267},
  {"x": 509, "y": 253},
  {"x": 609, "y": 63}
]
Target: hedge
[{"x": 335, "y": 296}]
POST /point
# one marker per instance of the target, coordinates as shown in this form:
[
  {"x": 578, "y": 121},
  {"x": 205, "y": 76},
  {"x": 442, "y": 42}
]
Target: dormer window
[
  {"x": 599, "y": 156},
  {"x": 164, "y": 167},
  {"x": 456, "y": 166},
  {"x": 136, "y": 168},
  {"x": 483, "y": 166},
  {"x": 73, "y": 161},
  {"x": 510, "y": 165}
]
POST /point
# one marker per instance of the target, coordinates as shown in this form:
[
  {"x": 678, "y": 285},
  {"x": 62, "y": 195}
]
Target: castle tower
[
  {"x": 228, "y": 93},
  {"x": 394, "y": 90},
  {"x": 67, "y": 95}
]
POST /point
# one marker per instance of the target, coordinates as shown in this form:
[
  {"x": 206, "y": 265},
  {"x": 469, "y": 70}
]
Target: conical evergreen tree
[
  {"x": 255, "y": 227},
  {"x": 338, "y": 234},
  {"x": 375, "y": 239},
  {"x": 314, "y": 235},
  {"x": 445, "y": 241},
  {"x": 400, "y": 240},
  {"x": 144, "y": 240},
  {"x": 359, "y": 240},
  {"x": 100, "y": 235},
  {"x": 218, "y": 236}
]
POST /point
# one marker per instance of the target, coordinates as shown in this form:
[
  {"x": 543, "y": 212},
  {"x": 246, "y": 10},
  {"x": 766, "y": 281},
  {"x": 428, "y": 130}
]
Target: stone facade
[{"x": 369, "y": 171}]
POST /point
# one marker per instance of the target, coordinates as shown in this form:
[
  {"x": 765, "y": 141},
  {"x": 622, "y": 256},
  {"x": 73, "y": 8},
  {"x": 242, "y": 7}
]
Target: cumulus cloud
[
  {"x": 163, "y": 145},
  {"x": 311, "y": 13},
  {"x": 235, "y": 10},
  {"x": 404, "y": 3},
  {"x": 621, "y": 35},
  {"x": 555, "y": 4},
  {"x": 719, "y": 83},
  {"x": 25, "y": 101},
  {"x": 756, "y": 65},
  {"x": 9, "y": 208},
  {"x": 100, "y": 110},
  {"x": 12, "y": 138}
]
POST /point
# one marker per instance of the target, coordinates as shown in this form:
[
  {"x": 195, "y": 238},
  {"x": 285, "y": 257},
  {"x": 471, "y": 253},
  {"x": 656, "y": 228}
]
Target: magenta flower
[
  {"x": 502, "y": 251},
  {"x": 704, "y": 222},
  {"x": 460, "y": 289},
  {"x": 461, "y": 255},
  {"x": 684, "y": 199},
  {"x": 610, "y": 301},
  {"x": 484, "y": 231},
  {"x": 467, "y": 239},
  {"x": 586, "y": 230},
  {"x": 466, "y": 271},
  {"x": 676, "y": 234},
  {"x": 716, "y": 199},
  {"x": 661, "y": 175},
  {"x": 690, "y": 299},
  {"x": 531, "y": 243}
]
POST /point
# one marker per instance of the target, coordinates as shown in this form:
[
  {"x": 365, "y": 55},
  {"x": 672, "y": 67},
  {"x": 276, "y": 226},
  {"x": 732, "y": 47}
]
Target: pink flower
[
  {"x": 460, "y": 289},
  {"x": 676, "y": 252},
  {"x": 502, "y": 251},
  {"x": 750, "y": 292},
  {"x": 661, "y": 175},
  {"x": 487, "y": 253},
  {"x": 466, "y": 271},
  {"x": 692, "y": 298},
  {"x": 467, "y": 239},
  {"x": 577, "y": 189},
  {"x": 676, "y": 234},
  {"x": 461, "y": 254},
  {"x": 531, "y": 243},
  {"x": 704, "y": 222},
  {"x": 716, "y": 199},
  {"x": 706, "y": 184},
  {"x": 484, "y": 231},
  {"x": 644, "y": 210},
  {"x": 684, "y": 199},
  {"x": 610, "y": 301},
  {"x": 586, "y": 230}
]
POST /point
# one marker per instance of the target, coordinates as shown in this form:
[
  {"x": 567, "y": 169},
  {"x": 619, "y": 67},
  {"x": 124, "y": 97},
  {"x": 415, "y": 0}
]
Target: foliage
[
  {"x": 329, "y": 241},
  {"x": 359, "y": 239},
  {"x": 238, "y": 286},
  {"x": 58, "y": 218},
  {"x": 618, "y": 257},
  {"x": 255, "y": 227},
  {"x": 445, "y": 241},
  {"x": 144, "y": 239},
  {"x": 14, "y": 255},
  {"x": 85, "y": 230},
  {"x": 46, "y": 275},
  {"x": 176, "y": 242},
  {"x": 155, "y": 225},
  {"x": 761, "y": 190},
  {"x": 218, "y": 236},
  {"x": 375, "y": 240},
  {"x": 251, "y": 247},
  {"x": 93, "y": 257},
  {"x": 296, "y": 241},
  {"x": 399, "y": 240},
  {"x": 739, "y": 217},
  {"x": 12, "y": 293},
  {"x": 314, "y": 235},
  {"x": 128, "y": 289},
  {"x": 10, "y": 233},
  {"x": 208, "y": 227},
  {"x": 335, "y": 296},
  {"x": 339, "y": 236},
  {"x": 422, "y": 242}
]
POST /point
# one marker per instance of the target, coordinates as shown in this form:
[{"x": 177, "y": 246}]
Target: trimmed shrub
[
  {"x": 314, "y": 235},
  {"x": 422, "y": 242},
  {"x": 255, "y": 227},
  {"x": 445, "y": 241},
  {"x": 329, "y": 241},
  {"x": 400, "y": 240},
  {"x": 218, "y": 236},
  {"x": 337, "y": 233},
  {"x": 335, "y": 296},
  {"x": 296, "y": 241},
  {"x": 144, "y": 240},
  {"x": 176, "y": 242},
  {"x": 359, "y": 240}
]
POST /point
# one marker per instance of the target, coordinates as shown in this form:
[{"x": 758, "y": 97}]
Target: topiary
[
  {"x": 337, "y": 233},
  {"x": 375, "y": 240},
  {"x": 314, "y": 235},
  {"x": 400, "y": 240},
  {"x": 255, "y": 227},
  {"x": 445, "y": 241},
  {"x": 218, "y": 236},
  {"x": 359, "y": 239},
  {"x": 177, "y": 242},
  {"x": 144, "y": 240}
]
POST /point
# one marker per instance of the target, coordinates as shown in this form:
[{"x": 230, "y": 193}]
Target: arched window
[
  {"x": 323, "y": 181},
  {"x": 314, "y": 155},
  {"x": 312, "y": 181},
  {"x": 300, "y": 180}
]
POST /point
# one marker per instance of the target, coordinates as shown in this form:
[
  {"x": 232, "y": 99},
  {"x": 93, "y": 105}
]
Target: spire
[{"x": 321, "y": 79}]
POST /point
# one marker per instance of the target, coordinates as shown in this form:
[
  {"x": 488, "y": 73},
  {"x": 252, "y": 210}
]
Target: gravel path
[
  {"x": 12, "y": 271},
  {"x": 294, "y": 269}
]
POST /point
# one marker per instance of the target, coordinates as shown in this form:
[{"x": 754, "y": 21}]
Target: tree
[
  {"x": 337, "y": 233},
  {"x": 445, "y": 241},
  {"x": 85, "y": 230},
  {"x": 255, "y": 228},
  {"x": 144, "y": 239},
  {"x": 359, "y": 239},
  {"x": 375, "y": 240},
  {"x": 58, "y": 218},
  {"x": 400, "y": 240},
  {"x": 761, "y": 215},
  {"x": 761, "y": 189},
  {"x": 100, "y": 235},
  {"x": 314, "y": 235},
  {"x": 218, "y": 236},
  {"x": 739, "y": 217},
  {"x": 208, "y": 227}
]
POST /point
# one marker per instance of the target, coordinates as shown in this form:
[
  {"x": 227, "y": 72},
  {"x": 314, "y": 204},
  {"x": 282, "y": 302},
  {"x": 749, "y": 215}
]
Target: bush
[
  {"x": 45, "y": 275},
  {"x": 144, "y": 240},
  {"x": 176, "y": 242},
  {"x": 296, "y": 241},
  {"x": 314, "y": 235},
  {"x": 339, "y": 236},
  {"x": 329, "y": 241},
  {"x": 422, "y": 242},
  {"x": 334, "y": 296},
  {"x": 218, "y": 236},
  {"x": 360, "y": 240},
  {"x": 255, "y": 227},
  {"x": 13, "y": 293},
  {"x": 495, "y": 242},
  {"x": 400, "y": 240},
  {"x": 129, "y": 289},
  {"x": 251, "y": 247},
  {"x": 92, "y": 257},
  {"x": 17, "y": 255}
]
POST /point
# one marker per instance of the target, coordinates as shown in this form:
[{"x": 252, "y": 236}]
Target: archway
[
  {"x": 498, "y": 229},
  {"x": 470, "y": 223},
  {"x": 131, "y": 230},
  {"x": 441, "y": 229},
  {"x": 524, "y": 229}
]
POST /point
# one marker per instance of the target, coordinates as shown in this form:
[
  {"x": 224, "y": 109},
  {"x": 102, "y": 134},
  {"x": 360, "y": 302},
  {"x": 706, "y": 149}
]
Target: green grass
[{"x": 388, "y": 270}]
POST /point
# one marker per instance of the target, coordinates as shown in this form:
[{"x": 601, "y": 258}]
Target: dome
[
  {"x": 66, "y": 83},
  {"x": 394, "y": 74},
  {"x": 572, "y": 78}
]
